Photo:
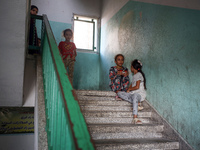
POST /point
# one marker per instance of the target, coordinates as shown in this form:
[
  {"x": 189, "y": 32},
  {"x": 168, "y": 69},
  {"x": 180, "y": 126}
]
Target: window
[{"x": 85, "y": 33}]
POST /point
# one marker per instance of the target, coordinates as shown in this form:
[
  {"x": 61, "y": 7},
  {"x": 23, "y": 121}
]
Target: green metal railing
[
  {"x": 66, "y": 126},
  {"x": 33, "y": 47}
]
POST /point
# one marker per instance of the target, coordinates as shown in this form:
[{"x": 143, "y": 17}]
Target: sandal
[
  {"x": 136, "y": 121},
  {"x": 118, "y": 98},
  {"x": 140, "y": 108}
]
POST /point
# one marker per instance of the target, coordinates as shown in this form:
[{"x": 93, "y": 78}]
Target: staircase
[{"x": 109, "y": 123}]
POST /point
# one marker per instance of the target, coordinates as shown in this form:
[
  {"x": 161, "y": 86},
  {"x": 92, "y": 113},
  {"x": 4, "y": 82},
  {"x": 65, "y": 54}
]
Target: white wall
[
  {"x": 62, "y": 10},
  {"x": 17, "y": 141},
  {"x": 12, "y": 51}
]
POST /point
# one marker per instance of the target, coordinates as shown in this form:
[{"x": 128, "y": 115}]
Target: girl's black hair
[
  {"x": 66, "y": 30},
  {"x": 118, "y": 55},
  {"x": 33, "y": 6},
  {"x": 136, "y": 64}
]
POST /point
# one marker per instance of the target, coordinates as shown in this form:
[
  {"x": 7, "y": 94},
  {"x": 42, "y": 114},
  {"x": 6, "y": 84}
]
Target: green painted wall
[
  {"x": 86, "y": 69},
  {"x": 167, "y": 41}
]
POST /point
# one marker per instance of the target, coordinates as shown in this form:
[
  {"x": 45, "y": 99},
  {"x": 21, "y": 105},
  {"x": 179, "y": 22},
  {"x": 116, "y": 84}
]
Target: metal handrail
[{"x": 63, "y": 112}]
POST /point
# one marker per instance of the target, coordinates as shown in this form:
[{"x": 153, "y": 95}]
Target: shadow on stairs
[{"x": 109, "y": 124}]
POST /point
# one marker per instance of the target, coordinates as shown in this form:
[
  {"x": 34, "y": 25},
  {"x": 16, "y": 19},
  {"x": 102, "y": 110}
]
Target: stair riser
[
  {"x": 114, "y": 120},
  {"x": 122, "y": 103},
  {"x": 95, "y": 98},
  {"x": 140, "y": 146},
  {"x": 105, "y": 108},
  {"x": 96, "y": 93},
  {"x": 104, "y": 102},
  {"x": 125, "y": 129},
  {"x": 100, "y": 136},
  {"x": 115, "y": 114}
]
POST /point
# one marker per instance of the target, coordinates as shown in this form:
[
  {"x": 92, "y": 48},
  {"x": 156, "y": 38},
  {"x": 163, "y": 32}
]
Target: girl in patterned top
[{"x": 119, "y": 80}]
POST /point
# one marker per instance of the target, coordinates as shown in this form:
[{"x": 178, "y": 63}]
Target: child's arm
[
  {"x": 137, "y": 86},
  {"x": 74, "y": 55},
  {"x": 120, "y": 73},
  {"x": 112, "y": 74},
  {"x": 125, "y": 72}
]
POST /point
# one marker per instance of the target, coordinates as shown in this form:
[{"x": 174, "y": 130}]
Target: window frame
[{"x": 96, "y": 31}]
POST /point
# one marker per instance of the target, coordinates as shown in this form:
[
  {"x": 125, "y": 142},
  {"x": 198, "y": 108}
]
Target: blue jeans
[{"x": 131, "y": 98}]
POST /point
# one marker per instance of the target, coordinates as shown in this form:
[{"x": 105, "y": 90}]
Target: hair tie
[
  {"x": 140, "y": 63},
  {"x": 138, "y": 68}
]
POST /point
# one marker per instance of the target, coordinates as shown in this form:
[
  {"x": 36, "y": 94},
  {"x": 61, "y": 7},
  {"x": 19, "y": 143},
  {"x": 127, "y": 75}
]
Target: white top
[{"x": 136, "y": 77}]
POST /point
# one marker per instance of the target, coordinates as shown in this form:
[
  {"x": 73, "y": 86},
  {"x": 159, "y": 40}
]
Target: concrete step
[
  {"x": 133, "y": 144},
  {"x": 97, "y": 136},
  {"x": 124, "y": 131},
  {"x": 96, "y": 93},
  {"x": 115, "y": 114},
  {"x": 97, "y": 98},
  {"x": 127, "y": 128},
  {"x": 110, "y": 123},
  {"x": 108, "y": 108},
  {"x": 102, "y": 102},
  {"x": 102, "y": 120},
  {"x": 99, "y": 102}
]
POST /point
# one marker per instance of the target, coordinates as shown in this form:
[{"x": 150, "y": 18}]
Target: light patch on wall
[{"x": 125, "y": 32}]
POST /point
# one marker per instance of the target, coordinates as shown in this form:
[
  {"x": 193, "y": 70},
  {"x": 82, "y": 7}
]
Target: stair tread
[
  {"x": 125, "y": 128},
  {"x": 93, "y": 92},
  {"x": 123, "y": 125},
  {"x": 108, "y": 103},
  {"x": 104, "y": 120},
  {"x": 114, "y": 114},
  {"x": 110, "y": 108},
  {"x": 136, "y": 144},
  {"x": 107, "y": 111},
  {"x": 150, "y": 140},
  {"x": 132, "y": 141}
]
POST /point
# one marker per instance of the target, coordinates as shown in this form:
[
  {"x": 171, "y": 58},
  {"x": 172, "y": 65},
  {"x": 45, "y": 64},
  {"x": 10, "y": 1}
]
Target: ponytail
[
  {"x": 143, "y": 77},
  {"x": 138, "y": 66}
]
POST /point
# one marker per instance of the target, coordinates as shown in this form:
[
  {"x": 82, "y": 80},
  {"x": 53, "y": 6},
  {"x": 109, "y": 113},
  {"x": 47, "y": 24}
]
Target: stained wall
[{"x": 167, "y": 41}]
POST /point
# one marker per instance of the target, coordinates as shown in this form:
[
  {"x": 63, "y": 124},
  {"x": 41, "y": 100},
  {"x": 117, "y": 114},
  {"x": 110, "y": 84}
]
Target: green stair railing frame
[
  {"x": 33, "y": 47},
  {"x": 65, "y": 125}
]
